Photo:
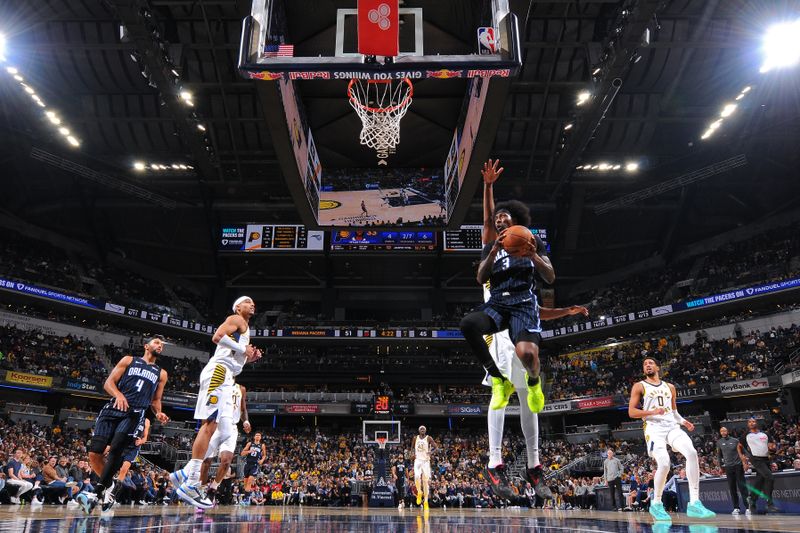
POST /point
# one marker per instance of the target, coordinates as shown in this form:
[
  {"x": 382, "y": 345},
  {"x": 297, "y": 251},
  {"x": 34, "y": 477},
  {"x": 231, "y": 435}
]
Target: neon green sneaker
[
  {"x": 535, "y": 395},
  {"x": 698, "y": 510},
  {"x": 502, "y": 389},
  {"x": 658, "y": 512}
]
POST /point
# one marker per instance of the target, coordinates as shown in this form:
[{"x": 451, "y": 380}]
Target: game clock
[{"x": 383, "y": 405}]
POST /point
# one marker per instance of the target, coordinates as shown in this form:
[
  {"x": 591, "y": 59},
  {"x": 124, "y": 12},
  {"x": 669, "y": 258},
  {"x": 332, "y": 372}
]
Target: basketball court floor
[{"x": 330, "y": 520}]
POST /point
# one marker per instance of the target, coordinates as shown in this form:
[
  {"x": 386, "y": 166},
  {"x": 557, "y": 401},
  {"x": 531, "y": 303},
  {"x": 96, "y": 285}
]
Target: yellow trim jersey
[{"x": 656, "y": 396}]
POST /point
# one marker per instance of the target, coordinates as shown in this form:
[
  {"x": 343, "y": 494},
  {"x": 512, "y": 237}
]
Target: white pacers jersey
[
  {"x": 422, "y": 449},
  {"x": 225, "y": 357},
  {"x": 656, "y": 396},
  {"x": 237, "y": 404},
  {"x": 502, "y": 350}
]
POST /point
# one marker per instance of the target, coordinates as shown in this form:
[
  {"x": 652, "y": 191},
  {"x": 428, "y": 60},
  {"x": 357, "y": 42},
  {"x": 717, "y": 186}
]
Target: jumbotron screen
[
  {"x": 371, "y": 240},
  {"x": 267, "y": 237},
  {"x": 468, "y": 238}
]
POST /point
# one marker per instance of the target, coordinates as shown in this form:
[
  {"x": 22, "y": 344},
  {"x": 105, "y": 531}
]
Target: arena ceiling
[{"x": 700, "y": 55}]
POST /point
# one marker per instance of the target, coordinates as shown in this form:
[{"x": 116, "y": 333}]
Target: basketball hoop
[
  {"x": 380, "y": 104},
  {"x": 381, "y": 442}
]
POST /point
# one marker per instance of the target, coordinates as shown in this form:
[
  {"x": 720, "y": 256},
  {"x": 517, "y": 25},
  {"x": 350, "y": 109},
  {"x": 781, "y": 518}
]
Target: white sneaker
[
  {"x": 35, "y": 502},
  {"x": 191, "y": 495},
  {"x": 735, "y": 512},
  {"x": 748, "y": 513}
]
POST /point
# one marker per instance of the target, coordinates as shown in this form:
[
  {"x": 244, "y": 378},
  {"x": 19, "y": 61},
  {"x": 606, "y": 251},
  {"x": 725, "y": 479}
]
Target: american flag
[{"x": 279, "y": 50}]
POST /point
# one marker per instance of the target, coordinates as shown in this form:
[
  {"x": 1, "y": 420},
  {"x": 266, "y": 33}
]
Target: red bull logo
[
  {"x": 265, "y": 75},
  {"x": 444, "y": 74}
]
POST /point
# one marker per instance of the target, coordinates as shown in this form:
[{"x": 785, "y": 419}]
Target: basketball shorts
[
  {"x": 520, "y": 319},
  {"x": 422, "y": 468},
  {"x": 250, "y": 469},
  {"x": 111, "y": 421},
  {"x": 130, "y": 454},
  {"x": 658, "y": 436},
  {"x": 215, "y": 398},
  {"x": 230, "y": 443}
]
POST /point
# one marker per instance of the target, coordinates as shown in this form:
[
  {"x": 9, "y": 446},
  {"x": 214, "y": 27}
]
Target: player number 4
[{"x": 139, "y": 384}]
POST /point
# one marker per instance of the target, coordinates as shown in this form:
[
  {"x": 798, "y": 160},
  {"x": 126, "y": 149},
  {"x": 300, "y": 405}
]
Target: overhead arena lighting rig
[
  {"x": 630, "y": 32},
  {"x": 152, "y": 54}
]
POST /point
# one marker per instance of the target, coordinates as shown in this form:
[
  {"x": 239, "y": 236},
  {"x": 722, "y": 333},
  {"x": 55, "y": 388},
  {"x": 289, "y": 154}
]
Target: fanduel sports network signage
[{"x": 745, "y": 385}]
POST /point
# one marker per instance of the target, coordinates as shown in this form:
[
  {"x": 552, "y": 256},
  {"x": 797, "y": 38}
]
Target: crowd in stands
[
  {"x": 37, "y": 352},
  {"x": 331, "y": 467},
  {"x": 614, "y": 369},
  {"x": 774, "y": 255},
  {"x": 35, "y": 261}
]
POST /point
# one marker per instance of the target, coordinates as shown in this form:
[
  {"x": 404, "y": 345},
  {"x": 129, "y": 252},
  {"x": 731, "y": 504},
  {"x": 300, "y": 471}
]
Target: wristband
[
  {"x": 227, "y": 342},
  {"x": 678, "y": 418}
]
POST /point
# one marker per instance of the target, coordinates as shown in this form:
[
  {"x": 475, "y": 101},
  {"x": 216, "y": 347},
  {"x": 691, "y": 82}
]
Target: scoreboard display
[
  {"x": 371, "y": 240},
  {"x": 468, "y": 238},
  {"x": 264, "y": 237}
]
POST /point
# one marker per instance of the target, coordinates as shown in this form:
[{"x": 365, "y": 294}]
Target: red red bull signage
[{"x": 441, "y": 74}]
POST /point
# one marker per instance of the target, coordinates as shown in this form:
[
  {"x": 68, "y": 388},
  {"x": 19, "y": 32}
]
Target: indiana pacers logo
[
  {"x": 380, "y": 16},
  {"x": 329, "y": 204}
]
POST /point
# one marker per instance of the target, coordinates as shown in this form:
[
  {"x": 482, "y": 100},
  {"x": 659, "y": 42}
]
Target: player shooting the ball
[{"x": 512, "y": 304}]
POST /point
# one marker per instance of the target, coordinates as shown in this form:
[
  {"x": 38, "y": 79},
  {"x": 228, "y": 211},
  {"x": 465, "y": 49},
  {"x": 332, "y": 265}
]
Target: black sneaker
[
  {"x": 533, "y": 475},
  {"x": 211, "y": 495},
  {"x": 498, "y": 481},
  {"x": 772, "y": 509}
]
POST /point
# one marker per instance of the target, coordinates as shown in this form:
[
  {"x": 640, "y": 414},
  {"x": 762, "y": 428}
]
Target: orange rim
[{"x": 395, "y": 107}]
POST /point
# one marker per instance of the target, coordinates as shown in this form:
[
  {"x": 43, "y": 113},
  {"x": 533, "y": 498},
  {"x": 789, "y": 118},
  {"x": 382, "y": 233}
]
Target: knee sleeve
[
  {"x": 98, "y": 444},
  {"x": 661, "y": 455},
  {"x": 119, "y": 442},
  {"x": 476, "y": 323},
  {"x": 682, "y": 443}
]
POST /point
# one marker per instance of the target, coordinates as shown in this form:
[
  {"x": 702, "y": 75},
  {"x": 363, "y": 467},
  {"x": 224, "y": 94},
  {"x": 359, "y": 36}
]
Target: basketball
[{"x": 516, "y": 239}]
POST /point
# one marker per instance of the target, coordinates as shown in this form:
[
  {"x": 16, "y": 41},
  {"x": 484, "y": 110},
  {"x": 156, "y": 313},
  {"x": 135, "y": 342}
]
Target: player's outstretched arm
[
  {"x": 553, "y": 313},
  {"x": 156, "y": 403},
  {"x": 490, "y": 173},
  {"x": 110, "y": 385}
]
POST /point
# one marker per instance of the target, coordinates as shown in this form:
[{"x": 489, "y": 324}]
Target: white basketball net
[{"x": 380, "y": 105}]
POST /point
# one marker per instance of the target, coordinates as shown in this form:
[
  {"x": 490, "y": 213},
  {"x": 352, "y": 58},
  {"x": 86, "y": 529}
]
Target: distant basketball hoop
[{"x": 380, "y": 104}]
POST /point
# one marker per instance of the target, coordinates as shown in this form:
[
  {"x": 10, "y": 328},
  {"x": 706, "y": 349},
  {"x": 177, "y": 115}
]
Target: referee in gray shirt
[
  {"x": 757, "y": 446},
  {"x": 732, "y": 458},
  {"x": 612, "y": 473}
]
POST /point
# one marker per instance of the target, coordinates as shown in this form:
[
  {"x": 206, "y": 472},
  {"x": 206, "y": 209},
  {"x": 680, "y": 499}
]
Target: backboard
[
  {"x": 372, "y": 430},
  {"x": 456, "y": 57},
  {"x": 317, "y": 39}
]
